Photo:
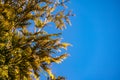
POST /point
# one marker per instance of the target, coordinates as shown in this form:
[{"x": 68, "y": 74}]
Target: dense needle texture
[{"x": 25, "y": 54}]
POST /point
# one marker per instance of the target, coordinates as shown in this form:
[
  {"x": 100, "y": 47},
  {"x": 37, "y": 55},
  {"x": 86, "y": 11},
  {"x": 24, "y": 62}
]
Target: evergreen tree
[{"x": 25, "y": 54}]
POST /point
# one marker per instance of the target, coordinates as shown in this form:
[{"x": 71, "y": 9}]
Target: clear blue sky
[{"x": 95, "y": 36}]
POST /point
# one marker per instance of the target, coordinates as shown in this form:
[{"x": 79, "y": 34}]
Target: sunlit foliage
[{"x": 25, "y": 54}]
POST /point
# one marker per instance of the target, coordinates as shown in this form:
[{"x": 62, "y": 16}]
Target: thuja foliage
[{"x": 25, "y": 54}]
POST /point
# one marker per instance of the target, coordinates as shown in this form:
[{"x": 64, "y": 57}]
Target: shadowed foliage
[{"x": 25, "y": 54}]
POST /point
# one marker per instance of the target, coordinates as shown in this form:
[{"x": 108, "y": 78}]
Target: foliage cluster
[{"x": 25, "y": 54}]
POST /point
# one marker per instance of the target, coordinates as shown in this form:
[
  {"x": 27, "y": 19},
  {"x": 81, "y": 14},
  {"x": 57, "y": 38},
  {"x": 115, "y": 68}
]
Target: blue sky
[{"x": 95, "y": 37}]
